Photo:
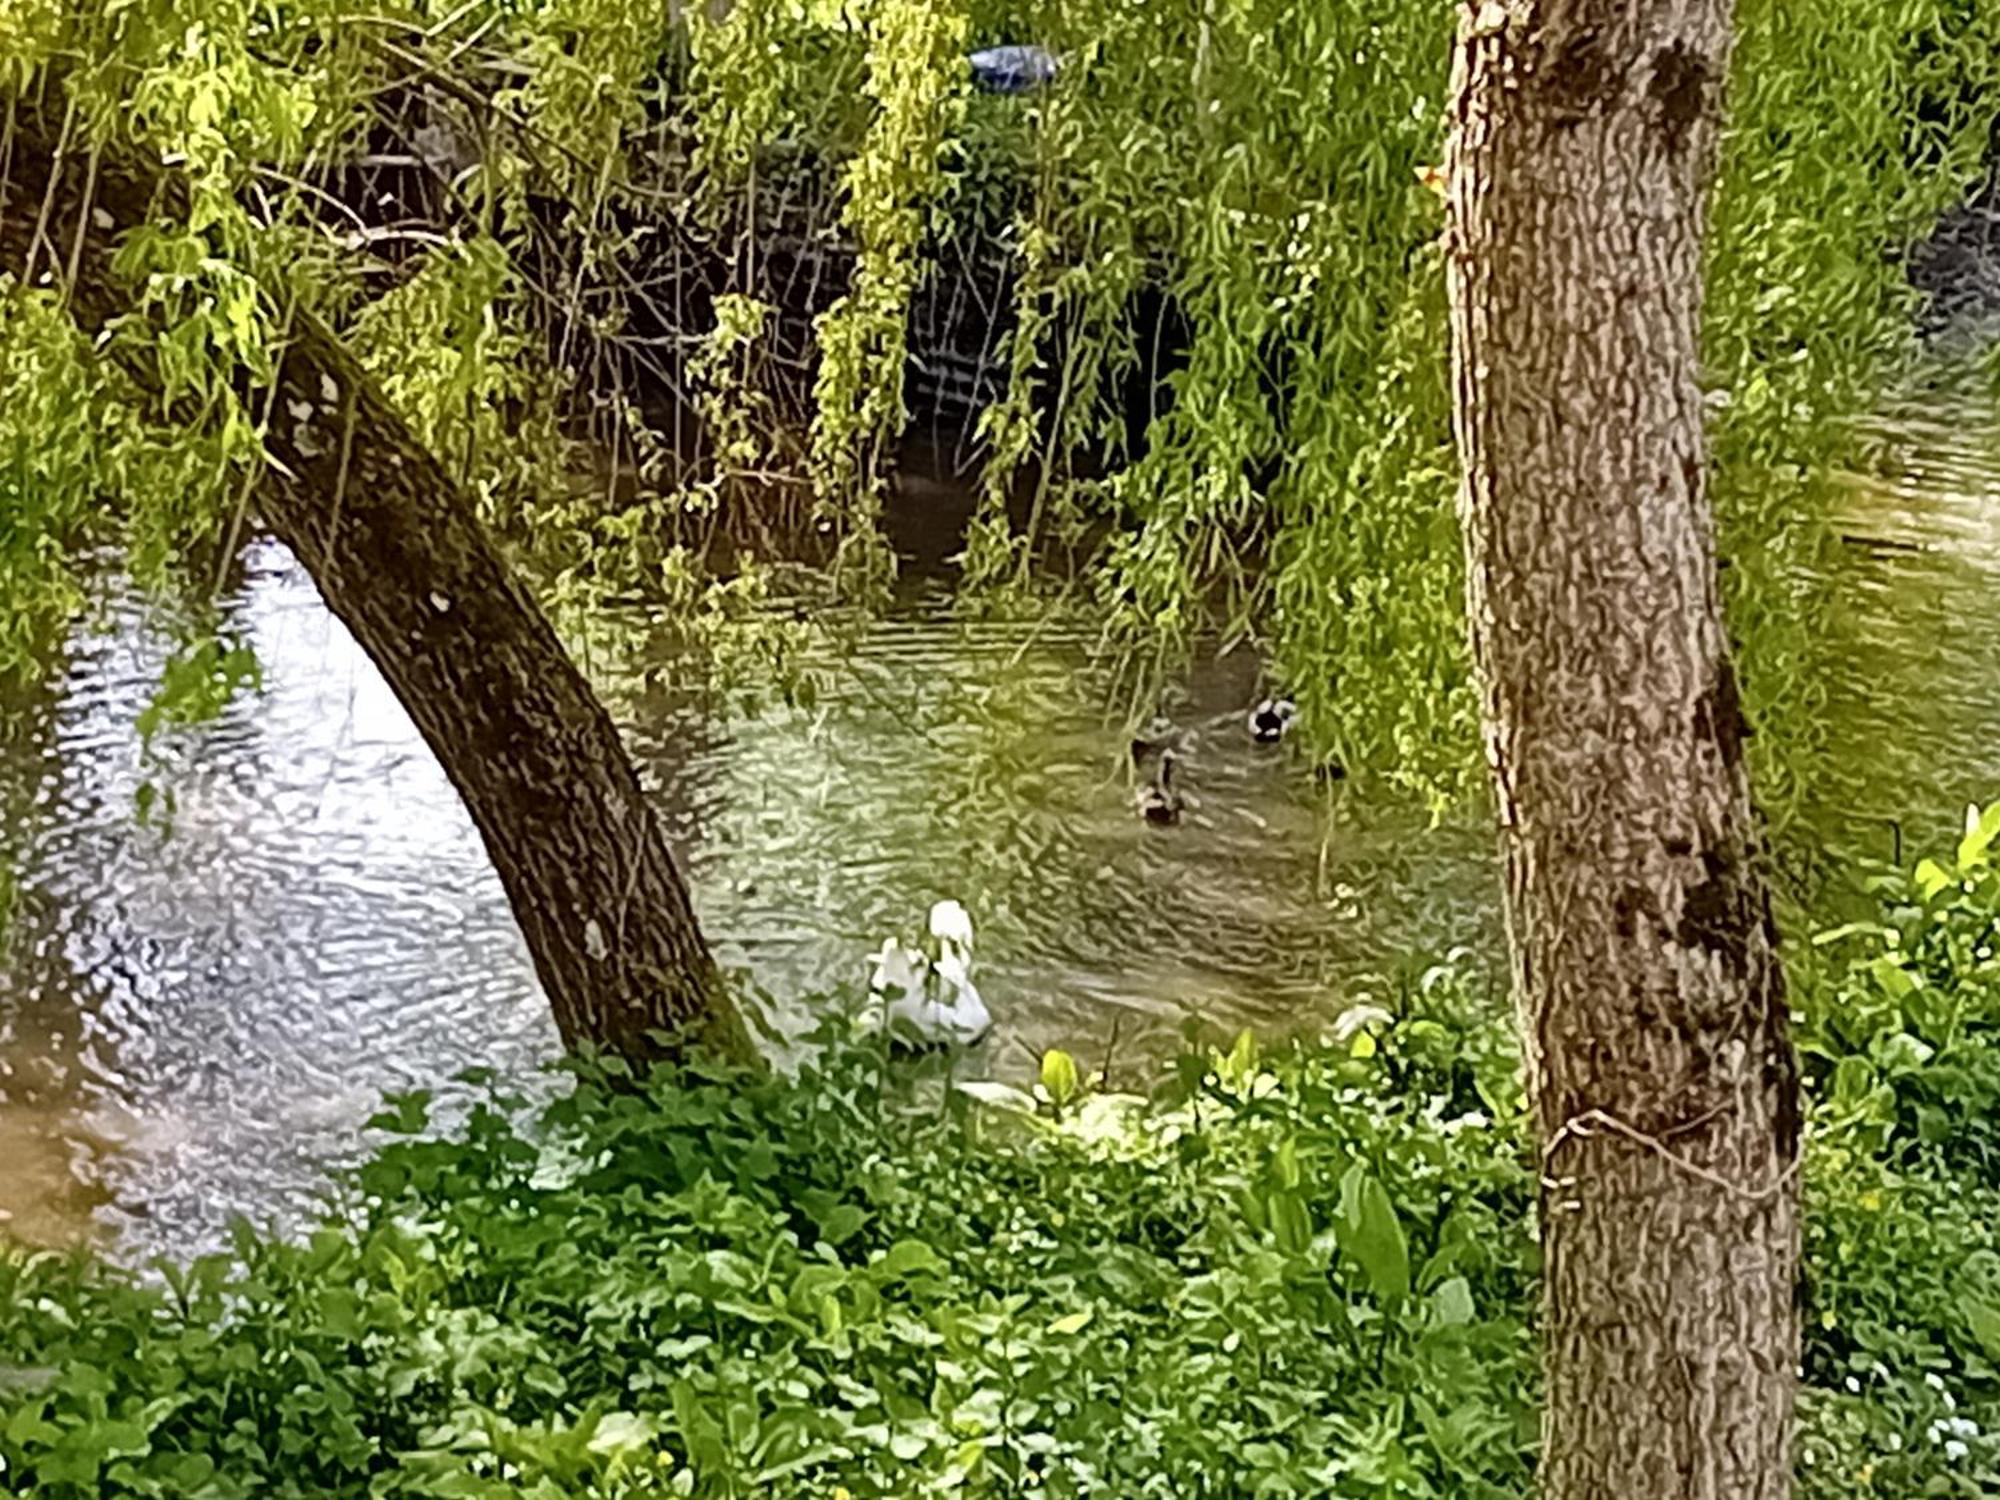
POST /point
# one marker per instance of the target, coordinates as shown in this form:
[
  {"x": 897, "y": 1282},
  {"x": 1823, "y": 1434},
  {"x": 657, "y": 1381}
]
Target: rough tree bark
[
  {"x": 1652, "y": 1003},
  {"x": 401, "y": 559}
]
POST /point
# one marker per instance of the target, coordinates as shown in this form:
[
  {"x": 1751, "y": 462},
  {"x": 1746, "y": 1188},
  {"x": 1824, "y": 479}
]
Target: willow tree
[
  {"x": 399, "y": 555},
  {"x": 1652, "y": 1003}
]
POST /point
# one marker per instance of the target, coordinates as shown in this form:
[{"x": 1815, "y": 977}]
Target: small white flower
[
  {"x": 1955, "y": 1450},
  {"x": 1853, "y": 1385}
]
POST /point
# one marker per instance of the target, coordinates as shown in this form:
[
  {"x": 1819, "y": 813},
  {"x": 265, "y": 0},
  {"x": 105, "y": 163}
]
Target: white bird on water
[{"x": 925, "y": 1001}]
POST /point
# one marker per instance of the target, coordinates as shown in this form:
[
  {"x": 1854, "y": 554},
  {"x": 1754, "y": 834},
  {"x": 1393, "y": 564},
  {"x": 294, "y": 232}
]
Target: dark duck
[
  {"x": 1159, "y": 800},
  {"x": 1157, "y": 739},
  {"x": 1272, "y": 719}
]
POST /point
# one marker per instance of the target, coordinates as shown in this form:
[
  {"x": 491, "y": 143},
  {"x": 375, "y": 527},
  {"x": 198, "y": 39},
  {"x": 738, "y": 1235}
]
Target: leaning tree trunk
[
  {"x": 398, "y": 555},
  {"x": 1651, "y": 999}
]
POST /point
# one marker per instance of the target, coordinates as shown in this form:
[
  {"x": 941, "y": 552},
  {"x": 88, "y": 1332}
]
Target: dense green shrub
[
  {"x": 1300, "y": 1275},
  {"x": 1309, "y": 1273},
  {"x": 1901, "y": 1036}
]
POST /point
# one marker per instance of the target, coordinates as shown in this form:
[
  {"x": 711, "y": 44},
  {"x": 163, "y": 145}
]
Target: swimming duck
[
  {"x": 1159, "y": 800},
  {"x": 1270, "y": 720},
  {"x": 927, "y": 1002},
  {"x": 1158, "y": 737}
]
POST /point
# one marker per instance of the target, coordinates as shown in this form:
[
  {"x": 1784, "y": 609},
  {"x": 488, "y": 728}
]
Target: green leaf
[
  {"x": 1981, "y": 829},
  {"x": 27, "y": 1427},
  {"x": 1285, "y": 1170},
  {"x": 843, "y": 1223},
  {"x": 621, "y": 1432},
  {"x": 1853, "y": 1079},
  {"x": 1072, "y": 1322},
  {"x": 706, "y": 1451},
  {"x": 340, "y": 1313},
  {"x": 1291, "y": 1222},
  {"x": 1241, "y": 1064},
  {"x": 906, "y": 1258},
  {"x": 1984, "y": 1321},
  {"x": 1897, "y": 982},
  {"x": 190, "y": 1470},
  {"x": 1059, "y": 1076},
  {"x": 408, "y": 1113},
  {"x": 1451, "y": 1303},
  {"x": 1371, "y": 1235}
]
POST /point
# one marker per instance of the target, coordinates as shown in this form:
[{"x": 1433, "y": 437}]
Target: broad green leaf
[
  {"x": 1291, "y": 1222},
  {"x": 1984, "y": 1321},
  {"x": 1371, "y": 1235},
  {"x": 1853, "y": 1078},
  {"x": 906, "y": 1258},
  {"x": 1242, "y": 1062},
  {"x": 1931, "y": 878},
  {"x": 27, "y": 1427},
  {"x": 1981, "y": 829},
  {"x": 1059, "y": 1077},
  {"x": 1897, "y": 982},
  {"x": 842, "y": 1223},
  {"x": 1451, "y": 1303}
]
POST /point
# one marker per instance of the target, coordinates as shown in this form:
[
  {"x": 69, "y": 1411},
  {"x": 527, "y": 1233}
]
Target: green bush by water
[{"x": 1304, "y": 1273}]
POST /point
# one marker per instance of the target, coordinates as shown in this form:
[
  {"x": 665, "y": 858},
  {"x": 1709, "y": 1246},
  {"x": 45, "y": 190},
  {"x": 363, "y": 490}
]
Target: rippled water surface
[
  {"x": 197, "y": 1015},
  {"x": 194, "y": 1017}
]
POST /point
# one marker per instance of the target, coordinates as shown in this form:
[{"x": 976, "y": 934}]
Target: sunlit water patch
[
  {"x": 201, "y": 1008},
  {"x": 196, "y": 1012}
]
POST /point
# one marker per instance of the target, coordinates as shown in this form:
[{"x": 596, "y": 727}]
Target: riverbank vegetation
[
  {"x": 1307, "y": 1271},
  {"x": 492, "y": 315}
]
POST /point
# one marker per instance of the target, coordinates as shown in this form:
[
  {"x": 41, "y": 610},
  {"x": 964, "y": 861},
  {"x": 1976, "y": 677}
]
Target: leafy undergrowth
[
  {"x": 1302, "y": 1274},
  {"x": 1297, "y": 1279}
]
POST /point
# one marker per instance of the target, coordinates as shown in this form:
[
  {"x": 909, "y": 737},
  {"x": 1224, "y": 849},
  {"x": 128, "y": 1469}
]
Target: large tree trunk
[
  {"x": 1651, "y": 999},
  {"x": 400, "y": 558}
]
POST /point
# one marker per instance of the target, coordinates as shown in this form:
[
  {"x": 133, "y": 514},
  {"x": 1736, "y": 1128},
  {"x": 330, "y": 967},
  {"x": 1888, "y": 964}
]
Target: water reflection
[
  {"x": 197, "y": 1017},
  {"x": 209, "y": 1007},
  {"x": 193, "y": 1020},
  {"x": 1912, "y": 716}
]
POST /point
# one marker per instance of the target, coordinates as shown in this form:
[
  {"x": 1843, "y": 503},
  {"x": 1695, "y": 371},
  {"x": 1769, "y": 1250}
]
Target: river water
[{"x": 197, "y": 1012}]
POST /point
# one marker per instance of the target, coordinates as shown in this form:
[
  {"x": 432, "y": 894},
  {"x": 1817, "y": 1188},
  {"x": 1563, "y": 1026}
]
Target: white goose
[{"x": 926, "y": 1002}]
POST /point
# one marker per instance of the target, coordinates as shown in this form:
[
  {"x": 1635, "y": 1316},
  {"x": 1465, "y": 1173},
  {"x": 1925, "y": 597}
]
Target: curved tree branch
[{"x": 400, "y": 557}]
